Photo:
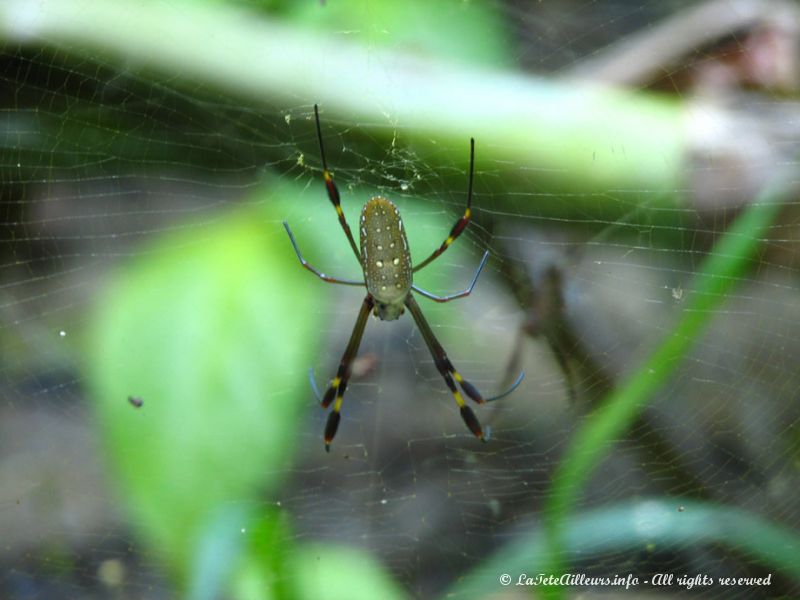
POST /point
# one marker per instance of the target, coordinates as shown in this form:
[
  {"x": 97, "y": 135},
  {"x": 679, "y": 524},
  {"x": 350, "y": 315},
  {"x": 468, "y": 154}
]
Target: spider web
[{"x": 104, "y": 159}]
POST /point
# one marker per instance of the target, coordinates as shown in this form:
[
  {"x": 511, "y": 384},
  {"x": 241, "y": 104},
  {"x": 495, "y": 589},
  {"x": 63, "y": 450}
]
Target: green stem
[
  {"x": 729, "y": 260},
  {"x": 584, "y": 142}
]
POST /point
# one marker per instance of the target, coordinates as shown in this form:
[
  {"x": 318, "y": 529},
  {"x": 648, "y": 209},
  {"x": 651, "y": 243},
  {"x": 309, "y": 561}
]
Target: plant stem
[{"x": 730, "y": 259}]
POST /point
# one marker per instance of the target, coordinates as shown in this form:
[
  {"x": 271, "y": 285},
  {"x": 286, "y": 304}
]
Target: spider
[{"x": 388, "y": 276}]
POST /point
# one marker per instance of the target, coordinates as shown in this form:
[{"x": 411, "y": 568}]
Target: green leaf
[
  {"x": 312, "y": 571},
  {"x": 466, "y": 32},
  {"x": 338, "y": 572},
  {"x": 664, "y": 524},
  {"x": 213, "y": 329}
]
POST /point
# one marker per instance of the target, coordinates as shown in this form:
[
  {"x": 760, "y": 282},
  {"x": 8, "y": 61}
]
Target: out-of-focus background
[{"x": 635, "y": 185}]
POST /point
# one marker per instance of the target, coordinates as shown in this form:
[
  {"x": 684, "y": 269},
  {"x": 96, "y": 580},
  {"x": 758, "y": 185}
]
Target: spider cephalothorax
[{"x": 388, "y": 276}]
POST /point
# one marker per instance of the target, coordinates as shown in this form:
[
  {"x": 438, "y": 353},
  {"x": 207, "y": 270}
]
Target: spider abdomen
[{"x": 385, "y": 257}]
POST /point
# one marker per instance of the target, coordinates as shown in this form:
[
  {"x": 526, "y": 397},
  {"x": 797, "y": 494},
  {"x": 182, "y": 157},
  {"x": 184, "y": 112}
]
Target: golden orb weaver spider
[{"x": 388, "y": 276}]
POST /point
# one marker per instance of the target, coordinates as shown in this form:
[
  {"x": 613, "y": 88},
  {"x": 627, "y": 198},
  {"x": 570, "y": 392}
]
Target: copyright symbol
[{"x": 505, "y": 578}]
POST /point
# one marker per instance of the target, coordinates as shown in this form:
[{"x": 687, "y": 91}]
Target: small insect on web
[{"x": 388, "y": 276}]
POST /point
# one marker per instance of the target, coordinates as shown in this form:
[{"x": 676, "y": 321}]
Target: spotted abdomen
[{"x": 384, "y": 252}]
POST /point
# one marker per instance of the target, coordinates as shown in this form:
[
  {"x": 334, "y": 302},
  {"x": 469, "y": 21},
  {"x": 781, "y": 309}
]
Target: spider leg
[
  {"x": 463, "y": 221},
  {"x": 339, "y": 383},
  {"x": 514, "y": 386},
  {"x": 448, "y": 372},
  {"x": 319, "y": 274},
  {"x": 333, "y": 191},
  {"x": 466, "y": 292},
  {"x": 313, "y": 383}
]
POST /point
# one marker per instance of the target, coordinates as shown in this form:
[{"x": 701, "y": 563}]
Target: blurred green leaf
[
  {"x": 204, "y": 328},
  {"x": 645, "y": 524},
  {"x": 314, "y": 571},
  {"x": 252, "y": 542},
  {"x": 220, "y": 546},
  {"x": 340, "y": 573},
  {"x": 467, "y": 32}
]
